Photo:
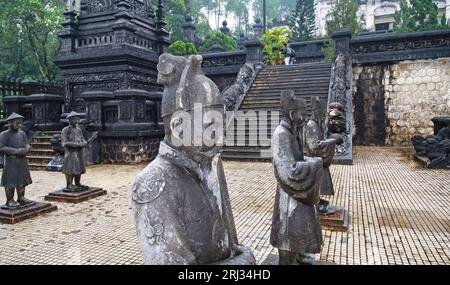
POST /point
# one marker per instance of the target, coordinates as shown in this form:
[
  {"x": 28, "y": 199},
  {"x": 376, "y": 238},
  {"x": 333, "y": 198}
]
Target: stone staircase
[
  {"x": 41, "y": 151},
  {"x": 307, "y": 80}
]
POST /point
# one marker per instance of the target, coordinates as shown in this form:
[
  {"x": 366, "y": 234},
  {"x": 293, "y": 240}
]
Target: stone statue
[
  {"x": 180, "y": 200},
  {"x": 435, "y": 147},
  {"x": 295, "y": 226},
  {"x": 233, "y": 95},
  {"x": 316, "y": 146},
  {"x": 337, "y": 127},
  {"x": 16, "y": 175},
  {"x": 74, "y": 166}
]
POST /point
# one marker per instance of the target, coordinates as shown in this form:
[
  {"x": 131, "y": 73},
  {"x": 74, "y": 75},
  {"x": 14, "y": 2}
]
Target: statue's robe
[
  {"x": 183, "y": 212},
  {"x": 15, "y": 169},
  {"x": 74, "y": 163},
  {"x": 295, "y": 224},
  {"x": 316, "y": 147}
]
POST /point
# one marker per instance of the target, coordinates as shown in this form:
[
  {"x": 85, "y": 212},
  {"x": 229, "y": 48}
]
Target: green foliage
[
  {"x": 273, "y": 41},
  {"x": 174, "y": 11},
  {"x": 328, "y": 50},
  {"x": 275, "y": 9},
  {"x": 182, "y": 48},
  {"x": 344, "y": 16},
  {"x": 28, "y": 38},
  {"x": 303, "y": 20},
  {"x": 418, "y": 15},
  {"x": 218, "y": 38}
]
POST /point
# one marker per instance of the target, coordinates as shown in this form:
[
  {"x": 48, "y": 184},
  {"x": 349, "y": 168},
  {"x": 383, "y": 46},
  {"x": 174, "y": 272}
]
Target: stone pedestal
[
  {"x": 75, "y": 197},
  {"x": 273, "y": 259},
  {"x": 426, "y": 162},
  {"x": 18, "y": 215},
  {"x": 335, "y": 222}
]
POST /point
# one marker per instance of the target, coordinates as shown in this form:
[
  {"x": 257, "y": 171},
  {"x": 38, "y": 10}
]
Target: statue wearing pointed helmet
[{"x": 180, "y": 200}]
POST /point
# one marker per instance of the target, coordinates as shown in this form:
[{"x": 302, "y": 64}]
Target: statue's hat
[
  {"x": 290, "y": 102},
  {"x": 14, "y": 116},
  {"x": 73, "y": 114},
  {"x": 196, "y": 89}
]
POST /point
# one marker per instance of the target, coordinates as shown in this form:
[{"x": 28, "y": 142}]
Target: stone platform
[
  {"x": 75, "y": 197},
  {"x": 398, "y": 214},
  {"x": 335, "y": 222},
  {"x": 273, "y": 259},
  {"x": 425, "y": 161},
  {"x": 18, "y": 215}
]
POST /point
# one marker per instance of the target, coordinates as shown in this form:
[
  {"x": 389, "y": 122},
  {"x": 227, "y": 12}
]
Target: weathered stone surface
[
  {"x": 75, "y": 197},
  {"x": 295, "y": 227},
  {"x": 180, "y": 200}
]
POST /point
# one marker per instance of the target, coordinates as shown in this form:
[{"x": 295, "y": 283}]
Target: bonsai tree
[
  {"x": 273, "y": 41},
  {"x": 182, "y": 48}
]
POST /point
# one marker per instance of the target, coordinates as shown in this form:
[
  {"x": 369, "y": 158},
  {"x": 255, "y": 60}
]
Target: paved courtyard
[{"x": 399, "y": 214}]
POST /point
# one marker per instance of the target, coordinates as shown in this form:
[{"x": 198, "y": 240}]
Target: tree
[
  {"x": 404, "y": 22},
  {"x": 28, "y": 38},
  {"x": 303, "y": 20},
  {"x": 418, "y": 15},
  {"x": 273, "y": 41},
  {"x": 344, "y": 16},
  {"x": 176, "y": 10},
  {"x": 276, "y": 9}
]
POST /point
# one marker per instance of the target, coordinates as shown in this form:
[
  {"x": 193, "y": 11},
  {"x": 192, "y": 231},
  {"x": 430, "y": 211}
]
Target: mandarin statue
[
  {"x": 317, "y": 146},
  {"x": 73, "y": 142},
  {"x": 16, "y": 174},
  {"x": 180, "y": 200},
  {"x": 295, "y": 225}
]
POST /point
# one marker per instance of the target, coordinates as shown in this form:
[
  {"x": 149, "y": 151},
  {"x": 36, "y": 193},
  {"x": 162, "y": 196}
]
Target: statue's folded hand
[
  {"x": 301, "y": 170},
  {"x": 21, "y": 152}
]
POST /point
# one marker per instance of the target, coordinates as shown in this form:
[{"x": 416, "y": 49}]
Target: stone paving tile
[{"x": 399, "y": 214}]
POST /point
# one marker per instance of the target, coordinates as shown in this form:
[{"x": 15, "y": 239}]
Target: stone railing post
[
  {"x": 341, "y": 40},
  {"x": 254, "y": 51}
]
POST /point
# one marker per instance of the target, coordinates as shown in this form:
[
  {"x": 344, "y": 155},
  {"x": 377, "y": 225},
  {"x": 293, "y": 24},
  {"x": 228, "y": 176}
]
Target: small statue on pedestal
[
  {"x": 180, "y": 200},
  {"x": 295, "y": 226},
  {"x": 74, "y": 165},
  {"x": 316, "y": 146},
  {"x": 16, "y": 175}
]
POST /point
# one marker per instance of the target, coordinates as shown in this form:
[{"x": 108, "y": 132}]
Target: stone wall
[
  {"x": 368, "y": 103},
  {"x": 129, "y": 150},
  {"x": 416, "y": 91},
  {"x": 412, "y": 93}
]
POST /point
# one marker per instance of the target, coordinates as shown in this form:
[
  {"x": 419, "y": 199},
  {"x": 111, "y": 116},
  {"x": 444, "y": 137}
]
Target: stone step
[
  {"x": 275, "y": 86},
  {"x": 297, "y": 67},
  {"x": 42, "y": 152},
  {"x": 42, "y": 139},
  {"x": 305, "y": 80},
  {"x": 40, "y": 145},
  {"x": 285, "y": 76},
  {"x": 246, "y": 153},
  {"x": 36, "y": 166},
  {"x": 42, "y": 160}
]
